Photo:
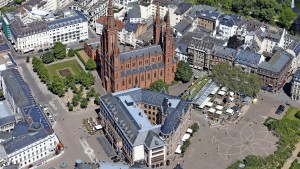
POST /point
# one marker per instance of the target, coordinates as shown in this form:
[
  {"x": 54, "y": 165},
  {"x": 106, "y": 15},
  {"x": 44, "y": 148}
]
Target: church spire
[
  {"x": 157, "y": 26},
  {"x": 168, "y": 25},
  {"x": 110, "y": 10}
]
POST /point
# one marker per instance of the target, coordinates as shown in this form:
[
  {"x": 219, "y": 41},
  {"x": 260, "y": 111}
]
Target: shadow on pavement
[{"x": 287, "y": 89}]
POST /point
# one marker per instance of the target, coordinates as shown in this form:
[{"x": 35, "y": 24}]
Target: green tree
[
  {"x": 86, "y": 79},
  {"x": 84, "y": 103},
  {"x": 184, "y": 72},
  {"x": 158, "y": 86},
  {"x": 91, "y": 93},
  {"x": 59, "y": 50},
  {"x": 47, "y": 57},
  {"x": 27, "y": 59},
  {"x": 97, "y": 99},
  {"x": 1, "y": 95},
  {"x": 70, "y": 81},
  {"x": 71, "y": 53},
  {"x": 287, "y": 16},
  {"x": 90, "y": 65},
  {"x": 18, "y": 1},
  {"x": 57, "y": 86}
]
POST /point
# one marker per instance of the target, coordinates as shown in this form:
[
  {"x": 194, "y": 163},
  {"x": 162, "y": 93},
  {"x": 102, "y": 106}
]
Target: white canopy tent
[
  {"x": 215, "y": 90},
  {"x": 185, "y": 137},
  {"x": 231, "y": 99},
  {"x": 212, "y": 110},
  {"x": 178, "y": 149},
  {"x": 204, "y": 102},
  {"x": 98, "y": 127},
  {"x": 230, "y": 111},
  {"x": 224, "y": 89},
  {"x": 221, "y": 93},
  {"x": 219, "y": 112},
  {"x": 231, "y": 93},
  {"x": 189, "y": 130},
  {"x": 218, "y": 107},
  {"x": 209, "y": 104}
]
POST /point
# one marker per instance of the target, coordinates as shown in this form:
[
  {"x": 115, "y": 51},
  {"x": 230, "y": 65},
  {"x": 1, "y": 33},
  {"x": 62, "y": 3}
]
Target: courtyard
[{"x": 65, "y": 68}]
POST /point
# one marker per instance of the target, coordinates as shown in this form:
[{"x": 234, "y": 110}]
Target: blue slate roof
[
  {"x": 134, "y": 12},
  {"x": 297, "y": 76},
  {"x": 131, "y": 27},
  {"x": 37, "y": 115},
  {"x": 7, "y": 120},
  {"x": 184, "y": 25},
  {"x": 182, "y": 8},
  {"x": 4, "y": 47},
  {"x": 224, "y": 52},
  {"x": 229, "y": 20},
  {"x": 150, "y": 50},
  {"x": 247, "y": 58},
  {"x": 142, "y": 69},
  {"x": 208, "y": 15},
  {"x": 78, "y": 17}
]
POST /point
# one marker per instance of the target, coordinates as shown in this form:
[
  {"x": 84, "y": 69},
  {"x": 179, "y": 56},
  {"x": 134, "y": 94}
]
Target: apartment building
[
  {"x": 5, "y": 2},
  {"x": 36, "y": 30}
]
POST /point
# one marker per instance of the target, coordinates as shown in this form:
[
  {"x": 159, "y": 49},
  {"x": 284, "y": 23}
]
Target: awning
[
  {"x": 230, "y": 111},
  {"x": 231, "y": 98},
  {"x": 204, "y": 102},
  {"x": 215, "y": 90},
  {"x": 221, "y": 93},
  {"x": 185, "y": 137},
  {"x": 209, "y": 104},
  {"x": 219, "y": 112},
  {"x": 189, "y": 130},
  {"x": 218, "y": 107},
  {"x": 211, "y": 110},
  {"x": 98, "y": 127},
  {"x": 178, "y": 149},
  {"x": 224, "y": 89},
  {"x": 231, "y": 93}
]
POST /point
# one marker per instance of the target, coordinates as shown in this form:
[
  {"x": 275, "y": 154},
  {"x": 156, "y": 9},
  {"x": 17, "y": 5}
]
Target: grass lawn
[
  {"x": 72, "y": 65},
  {"x": 196, "y": 87},
  {"x": 290, "y": 114}
]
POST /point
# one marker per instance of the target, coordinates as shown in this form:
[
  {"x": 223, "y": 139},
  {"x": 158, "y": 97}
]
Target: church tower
[
  {"x": 110, "y": 53},
  {"x": 157, "y": 26},
  {"x": 168, "y": 51}
]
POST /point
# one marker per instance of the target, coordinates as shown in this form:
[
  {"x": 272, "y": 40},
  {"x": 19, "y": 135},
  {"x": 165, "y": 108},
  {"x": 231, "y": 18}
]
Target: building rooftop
[
  {"x": 229, "y": 20},
  {"x": 131, "y": 27},
  {"x": 269, "y": 32},
  {"x": 182, "y": 8},
  {"x": 103, "y": 19},
  {"x": 208, "y": 15},
  {"x": 224, "y": 52},
  {"x": 166, "y": 3},
  {"x": 199, "y": 8},
  {"x": 146, "y": 51},
  {"x": 297, "y": 76},
  {"x": 5, "y": 109},
  {"x": 134, "y": 12},
  {"x": 277, "y": 62},
  {"x": 248, "y": 58},
  {"x": 184, "y": 26},
  {"x": 67, "y": 18},
  {"x": 7, "y": 62},
  {"x": 200, "y": 44}
]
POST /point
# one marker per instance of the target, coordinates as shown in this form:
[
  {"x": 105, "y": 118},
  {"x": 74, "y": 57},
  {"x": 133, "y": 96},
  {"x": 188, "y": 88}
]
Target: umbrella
[{"x": 63, "y": 165}]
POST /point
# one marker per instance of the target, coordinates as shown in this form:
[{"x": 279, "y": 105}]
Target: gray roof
[
  {"x": 5, "y": 135},
  {"x": 5, "y": 109},
  {"x": 142, "y": 69},
  {"x": 131, "y": 27},
  {"x": 297, "y": 75},
  {"x": 150, "y": 50},
  {"x": 7, "y": 120},
  {"x": 153, "y": 141},
  {"x": 201, "y": 44},
  {"x": 208, "y": 15},
  {"x": 4, "y": 47},
  {"x": 134, "y": 12},
  {"x": 229, "y": 20},
  {"x": 184, "y": 25},
  {"x": 277, "y": 62},
  {"x": 134, "y": 125},
  {"x": 166, "y": 2},
  {"x": 199, "y": 8},
  {"x": 247, "y": 58},
  {"x": 271, "y": 33},
  {"x": 17, "y": 88},
  {"x": 19, "y": 29},
  {"x": 76, "y": 17},
  {"x": 224, "y": 52},
  {"x": 182, "y": 8}
]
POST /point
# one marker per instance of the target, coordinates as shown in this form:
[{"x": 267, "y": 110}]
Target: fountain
[{"x": 293, "y": 4}]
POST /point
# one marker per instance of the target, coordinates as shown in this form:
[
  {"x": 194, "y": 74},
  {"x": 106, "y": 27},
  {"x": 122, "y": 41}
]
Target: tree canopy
[
  {"x": 41, "y": 70},
  {"x": 86, "y": 79},
  {"x": 47, "y": 57},
  {"x": 236, "y": 80},
  {"x": 234, "y": 42},
  {"x": 57, "y": 86},
  {"x": 184, "y": 72},
  {"x": 71, "y": 53},
  {"x": 264, "y": 10},
  {"x": 59, "y": 50},
  {"x": 90, "y": 64},
  {"x": 158, "y": 85}
]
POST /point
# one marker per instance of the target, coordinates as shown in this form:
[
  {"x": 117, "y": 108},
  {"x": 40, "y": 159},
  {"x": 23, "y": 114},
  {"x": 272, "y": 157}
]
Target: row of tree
[
  {"x": 288, "y": 131},
  {"x": 59, "y": 52},
  {"x": 57, "y": 85},
  {"x": 270, "y": 11},
  {"x": 236, "y": 80}
]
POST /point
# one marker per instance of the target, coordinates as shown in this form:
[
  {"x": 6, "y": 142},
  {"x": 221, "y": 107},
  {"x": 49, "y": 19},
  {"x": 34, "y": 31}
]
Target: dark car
[
  {"x": 280, "y": 109},
  {"x": 264, "y": 88},
  {"x": 41, "y": 50},
  {"x": 46, "y": 49},
  {"x": 114, "y": 157}
]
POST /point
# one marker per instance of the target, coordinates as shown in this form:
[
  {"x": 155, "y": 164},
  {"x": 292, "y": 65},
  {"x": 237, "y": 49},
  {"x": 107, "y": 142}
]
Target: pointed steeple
[
  {"x": 157, "y": 19},
  {"x": 168, "y": 25},
  {"x": 157, "y": 26},
  {"x": 110, "y": 10}
]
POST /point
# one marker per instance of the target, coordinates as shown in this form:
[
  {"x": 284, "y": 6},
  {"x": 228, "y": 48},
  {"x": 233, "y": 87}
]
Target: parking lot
[{"x": 222, "y": 145}]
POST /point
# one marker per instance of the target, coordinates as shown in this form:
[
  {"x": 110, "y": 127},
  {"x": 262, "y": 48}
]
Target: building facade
[
  {"x": 295, "y": 91},
  {"x": 143, "y": 125},
  {"x": 121, "y": 70}
]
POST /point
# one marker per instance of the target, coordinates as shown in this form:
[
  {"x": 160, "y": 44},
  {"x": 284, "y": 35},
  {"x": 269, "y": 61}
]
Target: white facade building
[
  {"x": 42, "y": 32},
  {"x": 5, "y": 2},
  {"x": 228, "y": 25}
]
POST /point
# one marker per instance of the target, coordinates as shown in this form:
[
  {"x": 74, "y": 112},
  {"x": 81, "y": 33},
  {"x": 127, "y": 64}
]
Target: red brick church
[{"x": 121, "y": 70}]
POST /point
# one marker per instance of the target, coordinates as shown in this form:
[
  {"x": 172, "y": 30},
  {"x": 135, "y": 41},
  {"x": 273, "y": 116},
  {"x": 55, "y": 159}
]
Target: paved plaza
[{"x": 219, "y": 146}]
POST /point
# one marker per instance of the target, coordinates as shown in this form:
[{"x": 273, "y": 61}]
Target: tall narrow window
[
  {"x": 154, "y": 75},
  {"x": 161, "y": 73},
  {"x": 129, "y": 81},
  {"x": 148, "y": 75},
  {"x": 142, "y": 79},
  {"x": 136, "y": 80}
]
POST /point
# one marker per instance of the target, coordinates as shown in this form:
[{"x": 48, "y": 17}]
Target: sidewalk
[{"x": 289, "y": 161}]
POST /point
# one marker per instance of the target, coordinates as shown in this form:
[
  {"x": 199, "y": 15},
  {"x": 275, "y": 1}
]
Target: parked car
[
  {"x": 280, "y": 109},
  {"x": 114, "y": 157},
  {"x": 40, "y": 50}
]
